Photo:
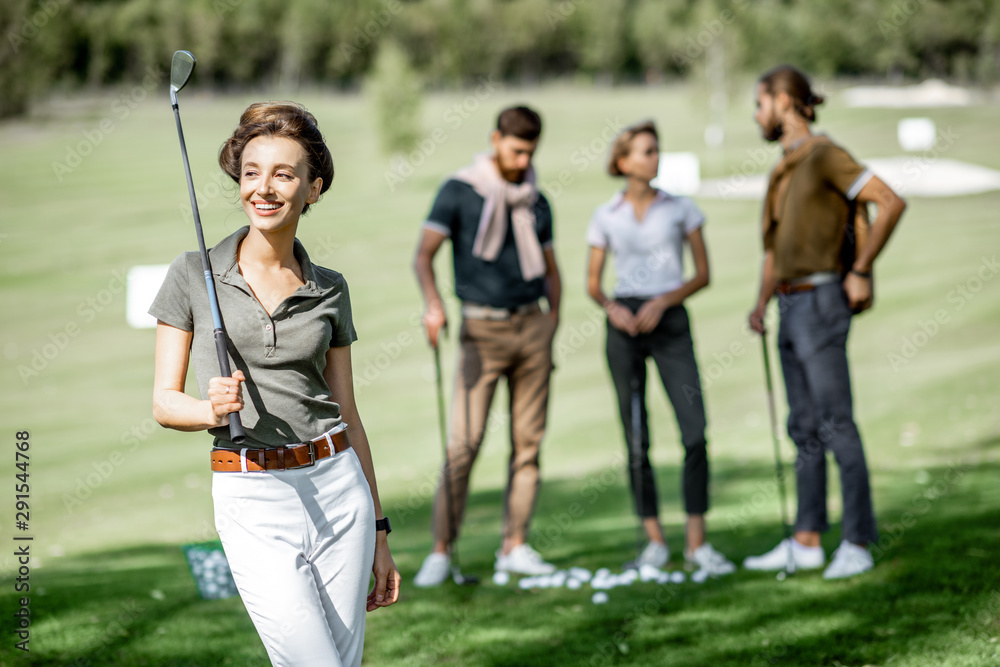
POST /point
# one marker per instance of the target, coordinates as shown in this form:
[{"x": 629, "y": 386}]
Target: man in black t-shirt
[{"x": 500, "y": 228}]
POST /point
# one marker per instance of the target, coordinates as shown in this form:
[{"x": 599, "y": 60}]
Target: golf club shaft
[
  {"x": 779, "y": 469},
  {"x": 444, "y": 448},
  {"x": 636, "y": 405},
  {"x": 236, "y": 432}
]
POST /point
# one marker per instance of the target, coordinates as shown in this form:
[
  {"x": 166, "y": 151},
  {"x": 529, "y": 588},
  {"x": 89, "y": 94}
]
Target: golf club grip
[{"x": 236, "y": 432}]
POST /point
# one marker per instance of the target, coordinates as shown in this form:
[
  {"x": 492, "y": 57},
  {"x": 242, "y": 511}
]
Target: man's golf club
[
  {"x": 456, "y": 572},
  {"x": 181, "y": 68},
  {"x": 778, "y": 467}
]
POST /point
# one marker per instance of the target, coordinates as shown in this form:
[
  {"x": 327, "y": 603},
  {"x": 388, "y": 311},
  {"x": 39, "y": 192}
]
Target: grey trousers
[
  {"x": 672, "y": 350},
  {"x": 812, "y": 342}
]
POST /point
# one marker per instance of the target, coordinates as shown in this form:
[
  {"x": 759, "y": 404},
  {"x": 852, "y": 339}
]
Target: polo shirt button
[{"x": 267, "y": 328}]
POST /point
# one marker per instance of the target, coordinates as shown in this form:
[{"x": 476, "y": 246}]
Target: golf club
[
  {"x": 778, "y": 467},
  {"x": 636, "y": 448},
  {"x": 181, "y": 68},
  {"x": 456, "y": 572}
]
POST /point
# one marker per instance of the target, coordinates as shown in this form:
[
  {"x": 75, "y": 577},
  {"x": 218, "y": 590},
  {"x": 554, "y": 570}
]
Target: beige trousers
[{"x": 519, "y": 349}]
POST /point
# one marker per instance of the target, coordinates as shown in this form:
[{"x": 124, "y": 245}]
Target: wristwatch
[{"x": 383, "y": 524}]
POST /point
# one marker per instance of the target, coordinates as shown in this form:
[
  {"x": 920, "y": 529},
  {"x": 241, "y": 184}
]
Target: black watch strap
[{"x": 383, "y": 524}]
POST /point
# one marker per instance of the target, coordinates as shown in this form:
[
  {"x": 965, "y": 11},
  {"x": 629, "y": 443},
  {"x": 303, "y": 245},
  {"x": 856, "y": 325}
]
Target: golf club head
[
  {"x": 181, "y": 67},
  {"x": 463, "y": 580}
]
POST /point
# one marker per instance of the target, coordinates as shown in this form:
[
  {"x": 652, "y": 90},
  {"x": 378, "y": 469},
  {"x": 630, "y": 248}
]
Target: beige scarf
[{"x": 498, "y": 194}]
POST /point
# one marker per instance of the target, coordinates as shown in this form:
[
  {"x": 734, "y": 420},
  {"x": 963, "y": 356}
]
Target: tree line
[{"x": 241, "y": 43}]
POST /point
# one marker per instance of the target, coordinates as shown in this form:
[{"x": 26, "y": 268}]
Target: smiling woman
[{"x": 296, "y": 505}]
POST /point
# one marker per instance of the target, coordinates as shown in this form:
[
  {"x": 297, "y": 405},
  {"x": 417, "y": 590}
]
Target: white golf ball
[
  {"x": 699, "y": 576},
  {"x": 649, "y": 572},
  {"x": 573, "y": 584},
  {"x": 781, "y": 576},
  {"x": 501, "y": 578},
  {"x": 580, "y": 573},
  {"x": 526, "y": 583},
  {"x": 677, "y": 577},
  {"x": 603, "y": 572},
  {"x": 600, "y": 597}
]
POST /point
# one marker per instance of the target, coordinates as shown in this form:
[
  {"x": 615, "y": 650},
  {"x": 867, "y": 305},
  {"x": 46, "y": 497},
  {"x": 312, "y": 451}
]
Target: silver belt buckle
[{"x": 312, "y": 454}]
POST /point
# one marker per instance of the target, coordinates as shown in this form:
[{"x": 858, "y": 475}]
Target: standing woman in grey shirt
[
  {"x": 296, "y": 506},
  {"x": 646, "y": 229}
]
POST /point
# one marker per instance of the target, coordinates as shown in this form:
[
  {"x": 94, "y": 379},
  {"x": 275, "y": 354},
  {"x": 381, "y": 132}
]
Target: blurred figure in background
[
  {"x": 818, "y": 256},
  {"x": 646, "y": 230},
  {"x": 500, "y": 229}
]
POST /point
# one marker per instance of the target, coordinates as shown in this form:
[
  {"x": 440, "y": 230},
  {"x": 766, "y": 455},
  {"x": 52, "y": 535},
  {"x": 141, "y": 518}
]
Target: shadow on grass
[
  {"x": 933, "y": 598},
  {"x": 135, "y": 606}
]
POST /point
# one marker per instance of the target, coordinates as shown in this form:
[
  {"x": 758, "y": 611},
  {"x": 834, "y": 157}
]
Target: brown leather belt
[
  {"x": 807, "y": 283},
  {"x": 785, "y": 287},
  {"x": 478, "y": 311},
  {"x": 288, "y": 457}
]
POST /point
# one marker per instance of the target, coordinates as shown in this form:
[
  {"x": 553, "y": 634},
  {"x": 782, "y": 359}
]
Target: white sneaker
[
  {"x": 522, "y": 559},
  {"x": 434, "y": 571},
  {"x": 655, "y": 554},
  {"x": 805, "y": 558},
  {"x": 849, "y": 560},
  {"x": 711, "y": 561}
]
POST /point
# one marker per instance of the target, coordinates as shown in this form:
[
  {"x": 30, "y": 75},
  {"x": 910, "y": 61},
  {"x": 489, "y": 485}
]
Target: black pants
[{"x": 672, "y": 350}]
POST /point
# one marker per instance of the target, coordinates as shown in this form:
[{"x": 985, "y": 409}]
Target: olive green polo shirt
[
  {"x": 283, "y": 355},
  {"x": 818, "y": 204}
]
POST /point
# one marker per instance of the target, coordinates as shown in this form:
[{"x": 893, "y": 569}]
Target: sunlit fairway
[{"x": 93, "y": 186}]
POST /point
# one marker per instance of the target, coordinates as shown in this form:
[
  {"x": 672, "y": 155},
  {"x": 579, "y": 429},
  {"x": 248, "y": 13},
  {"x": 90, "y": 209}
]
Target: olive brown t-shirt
[
  {"x": 813, "y": 210},
  {"x": 283, "y": 355}
]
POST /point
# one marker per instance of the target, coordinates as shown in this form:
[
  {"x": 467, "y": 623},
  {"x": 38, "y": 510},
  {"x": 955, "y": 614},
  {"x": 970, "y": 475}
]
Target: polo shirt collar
[
  {"x": 224, "y": 267},
  {"x": 619, "y": 198}
]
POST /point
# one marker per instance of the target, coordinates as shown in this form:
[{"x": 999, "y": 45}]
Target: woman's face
[
  {"x": 274, "y": 182},
  {"x": 643, "y": 159}
]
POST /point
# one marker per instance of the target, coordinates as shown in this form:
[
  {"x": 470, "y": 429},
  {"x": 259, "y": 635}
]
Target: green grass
[{"x": 113, "y": 496}]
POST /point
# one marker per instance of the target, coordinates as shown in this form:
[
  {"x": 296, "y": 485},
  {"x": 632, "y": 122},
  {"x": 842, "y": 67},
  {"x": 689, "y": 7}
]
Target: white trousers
[{"x": 301, "y": 544}]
